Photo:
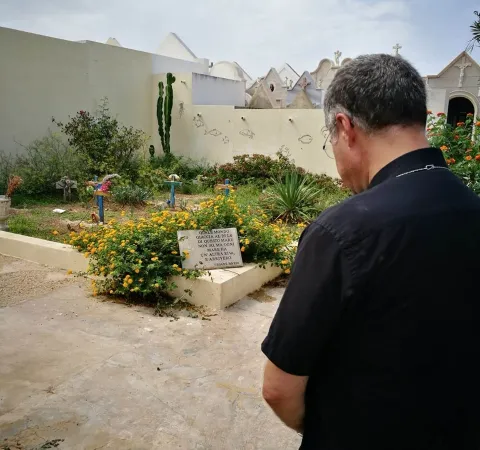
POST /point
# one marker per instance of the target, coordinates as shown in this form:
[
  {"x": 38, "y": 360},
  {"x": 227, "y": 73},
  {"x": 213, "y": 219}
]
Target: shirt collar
[{"x": 410, "y": 161}]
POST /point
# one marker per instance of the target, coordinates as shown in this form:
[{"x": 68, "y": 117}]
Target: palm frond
[{"x": 475, "y": 28}]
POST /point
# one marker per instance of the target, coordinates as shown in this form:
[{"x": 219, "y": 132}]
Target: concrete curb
[
  {"x": 40, "y": 251},
  {"x": 218, "y": 289}
]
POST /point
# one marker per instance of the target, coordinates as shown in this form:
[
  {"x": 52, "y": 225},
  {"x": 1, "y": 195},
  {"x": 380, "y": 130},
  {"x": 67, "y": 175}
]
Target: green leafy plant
[
  {"x": 293, "y": 199},
  {"x": 103, "y": 144},
  {"x": 186, "y": 168},
  {"x": 256, "y": 169},
  {"x": 164, "y": 112},
  {"x": 129, "y": 194},
  {"x": 460, "y": 145},
  {"x": 44, "y": 162}
]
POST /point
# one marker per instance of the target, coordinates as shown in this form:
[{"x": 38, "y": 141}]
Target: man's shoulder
[{"x": 348, "y": 218}]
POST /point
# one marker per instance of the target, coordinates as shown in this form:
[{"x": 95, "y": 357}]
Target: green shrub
[
  {"x": 6, "y": 170},
  {"x": 152, "y": 178},
  {"x": 104, "y": 145},
  {"x": 460, "y": 145},
  {"x": 294, "y": 199},
  {"x": 129, "y": 194},
  {"x": 186, "y": 168},
  {"x": 45, "y": 162},
  {"x": 256, "y": 169}
]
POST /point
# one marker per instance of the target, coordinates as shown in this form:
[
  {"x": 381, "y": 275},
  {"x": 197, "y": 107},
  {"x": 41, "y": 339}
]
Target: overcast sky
[{"x": 259, "y": 34}]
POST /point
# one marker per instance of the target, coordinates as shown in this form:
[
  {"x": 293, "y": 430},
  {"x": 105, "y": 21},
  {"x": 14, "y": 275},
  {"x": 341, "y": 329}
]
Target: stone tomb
[{"x": 210, "y": 249}]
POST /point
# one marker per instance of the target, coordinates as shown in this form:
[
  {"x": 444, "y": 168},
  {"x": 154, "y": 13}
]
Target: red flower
[
  {"x": 456, "y": 137},
  {"x": 429, "y": 112},
  {"x": 460, "y": 124},
  {"x": 470, "y": 115},
  {"x": 440, "y": 114},
  {"x": 468, "y": 158},
  {"x": 477, "y": 157}
]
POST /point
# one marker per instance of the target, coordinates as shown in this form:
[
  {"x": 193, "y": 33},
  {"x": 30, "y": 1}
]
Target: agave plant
[{"x": 293, "y": 199}]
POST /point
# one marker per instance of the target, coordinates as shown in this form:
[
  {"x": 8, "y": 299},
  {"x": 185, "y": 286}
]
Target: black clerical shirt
[{"x": 382, "y": 312}]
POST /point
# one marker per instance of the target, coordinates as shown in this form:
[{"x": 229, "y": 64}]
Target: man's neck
[{"x": 391, "y": 145}]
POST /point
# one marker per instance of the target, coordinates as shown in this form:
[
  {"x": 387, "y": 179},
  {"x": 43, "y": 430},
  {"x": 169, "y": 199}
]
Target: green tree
[{"x": 104, "y": 144}]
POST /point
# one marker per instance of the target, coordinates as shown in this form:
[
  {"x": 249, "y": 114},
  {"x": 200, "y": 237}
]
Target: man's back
[
  {"x": 400, "y": 368},
  {"x": 375, "y": 344}
]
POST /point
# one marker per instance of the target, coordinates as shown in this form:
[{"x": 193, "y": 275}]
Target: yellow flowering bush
[{"x": 140, "y": 257}]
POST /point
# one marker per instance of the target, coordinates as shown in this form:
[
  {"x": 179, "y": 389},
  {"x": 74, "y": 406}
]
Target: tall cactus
[
  {"x": 164, "y": 112},
  {"x": 160, "y": 114}
]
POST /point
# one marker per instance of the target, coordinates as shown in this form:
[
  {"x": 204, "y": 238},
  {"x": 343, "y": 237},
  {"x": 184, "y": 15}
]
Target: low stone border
[
  {"x": 40, "y": 251},
  {"x": 218, "y": 289}
]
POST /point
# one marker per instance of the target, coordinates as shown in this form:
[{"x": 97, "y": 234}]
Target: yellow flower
[
  {"x": 54, "y": 232},
  {"x": 275, "y": 250},
  {"x": 242, "y": 231},
  {"x": 155, "y": 258},
  {"x": 125, "y": 285},
  {"x": 132, "y": 250},
  {"x": 87, "y": 254},
  {"x": 130, "y": 281},
  {"x": 69, "y": 271},
  {"x": 247, "y": 241},
  {"x": 157, "y": 285},
  {"x": 242, "y": 249},
  {"x": 111, "y": 291},
  {"x": 285, "y": 261},
  {"x": 179, "y": 269},
  {"x": 175, "y": 266},
  {"x": 174, "y": 252},
  {"x": 122, "y": 213},
  {"x": 137, "y": 270},
  {"x": 112, "y": 266},
  {"x": 287, "y": 271}
]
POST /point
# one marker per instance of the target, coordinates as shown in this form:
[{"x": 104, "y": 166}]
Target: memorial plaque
[{"x": 212, "y": 249}]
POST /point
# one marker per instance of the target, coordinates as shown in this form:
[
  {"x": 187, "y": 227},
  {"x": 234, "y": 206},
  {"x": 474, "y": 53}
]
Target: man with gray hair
[{"x": 376, "y": 342}]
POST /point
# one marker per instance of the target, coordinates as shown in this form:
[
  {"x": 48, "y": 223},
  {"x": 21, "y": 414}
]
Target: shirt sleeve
[{"x": 312, "y": 303}]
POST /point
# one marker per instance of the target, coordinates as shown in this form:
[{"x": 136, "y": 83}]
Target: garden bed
[{"x": 218, "y": 289}]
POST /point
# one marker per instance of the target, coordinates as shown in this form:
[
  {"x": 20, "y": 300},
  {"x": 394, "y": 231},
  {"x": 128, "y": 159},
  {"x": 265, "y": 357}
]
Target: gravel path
[{"x": 21, "y": 280}]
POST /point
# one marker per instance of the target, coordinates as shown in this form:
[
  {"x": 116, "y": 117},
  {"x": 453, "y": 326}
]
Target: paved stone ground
[{"x": 81, "y": 373}]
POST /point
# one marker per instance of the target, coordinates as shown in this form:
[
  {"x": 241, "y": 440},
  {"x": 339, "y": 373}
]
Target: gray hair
[{"x": 376, "y": 92}]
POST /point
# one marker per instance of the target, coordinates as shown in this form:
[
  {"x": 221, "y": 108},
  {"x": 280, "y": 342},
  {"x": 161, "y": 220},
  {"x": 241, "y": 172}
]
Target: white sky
[{"x": 259, "y": 34}]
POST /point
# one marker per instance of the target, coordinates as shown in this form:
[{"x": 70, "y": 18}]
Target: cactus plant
[
  {"x": 160, "y": 113},
  {"x": 164, "y": 112}
]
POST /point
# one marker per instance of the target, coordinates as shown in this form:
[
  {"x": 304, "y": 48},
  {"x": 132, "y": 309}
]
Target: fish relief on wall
[
  {"x": 305, "y": 139},
  {"x": 213, "y": 132},
  {"x": 247, "y": 133}
]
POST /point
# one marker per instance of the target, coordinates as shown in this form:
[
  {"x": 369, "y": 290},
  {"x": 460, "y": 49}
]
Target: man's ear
[{"x": 345, "y": 128}]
